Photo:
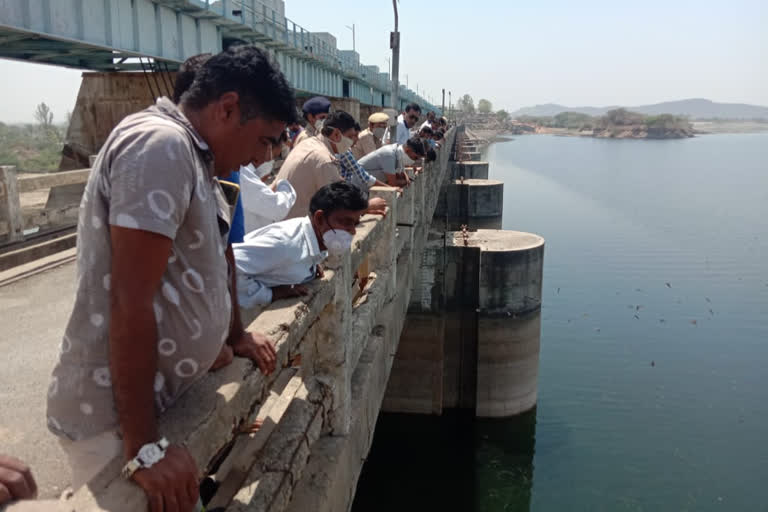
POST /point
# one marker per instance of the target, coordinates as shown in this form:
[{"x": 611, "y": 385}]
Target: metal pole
[
  {"x": 352, "y": 28},
  {"x": 394, "y": 43},
  {"x": 442, "y": 108}
]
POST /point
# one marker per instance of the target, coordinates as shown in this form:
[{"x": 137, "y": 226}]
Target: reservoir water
[{"x": 653, "y": 383}]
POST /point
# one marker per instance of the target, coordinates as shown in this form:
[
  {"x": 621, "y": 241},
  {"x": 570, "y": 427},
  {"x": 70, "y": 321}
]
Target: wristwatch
[{"x": 149, "y": 455}]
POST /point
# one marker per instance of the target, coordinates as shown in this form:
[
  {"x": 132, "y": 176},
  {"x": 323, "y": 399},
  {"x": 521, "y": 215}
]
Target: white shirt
[
  {"x": 387, "y": 160},
  {"x": 426, "y": 123},
  {"x": 262, "y": 206},
  {"x": 402, "y": 134},
  {"x": 282, "y": 253}
]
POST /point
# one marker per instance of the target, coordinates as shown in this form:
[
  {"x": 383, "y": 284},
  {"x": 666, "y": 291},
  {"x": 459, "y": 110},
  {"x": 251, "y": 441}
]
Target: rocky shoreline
[{"x": 621, "y": 132}]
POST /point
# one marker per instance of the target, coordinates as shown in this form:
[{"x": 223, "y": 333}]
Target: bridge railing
[
  {"x": 258, "y": 20},
  {"x": 17, "y": 217}
]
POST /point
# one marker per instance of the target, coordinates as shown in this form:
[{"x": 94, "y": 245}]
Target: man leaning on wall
[{"x": 153, "y": 307}]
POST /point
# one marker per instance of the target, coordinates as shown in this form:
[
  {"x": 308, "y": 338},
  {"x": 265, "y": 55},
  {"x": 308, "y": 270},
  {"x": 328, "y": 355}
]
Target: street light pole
[
  {"x": 352, "y": 28},
  {"x": 394, "y": 44}
]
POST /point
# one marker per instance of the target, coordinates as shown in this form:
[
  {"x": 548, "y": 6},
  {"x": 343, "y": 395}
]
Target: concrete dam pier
[{"x": 472, "y": 334}]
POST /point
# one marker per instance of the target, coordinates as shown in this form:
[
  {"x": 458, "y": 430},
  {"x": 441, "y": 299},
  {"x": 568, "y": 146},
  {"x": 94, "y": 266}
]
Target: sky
[{"x": 516, "y": 53}]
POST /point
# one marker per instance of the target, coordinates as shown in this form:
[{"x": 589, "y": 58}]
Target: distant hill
[{"x": 695, "y": 108}]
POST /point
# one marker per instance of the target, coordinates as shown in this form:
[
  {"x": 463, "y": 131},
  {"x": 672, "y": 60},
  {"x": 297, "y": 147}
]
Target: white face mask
[
  {"x": 406, "y": 159},
  {"x": 379, "y": 132},
  {"x": 264, "y": 169},
  {"x": 318, "y": 125},
  {"x": 337, "y": 241},
  {"x": 343, "y": 146}
]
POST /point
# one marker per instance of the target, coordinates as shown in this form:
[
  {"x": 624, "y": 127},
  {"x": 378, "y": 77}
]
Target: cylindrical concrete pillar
[
  {"x": 471, "y": 198},
  {"x": 509, "y": 319},
  {"x": 473, "y": 156},
  {"x": 469, "y": 170}
]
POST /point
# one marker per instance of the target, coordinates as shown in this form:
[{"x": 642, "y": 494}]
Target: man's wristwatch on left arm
[{"x": 149, "y": 455}]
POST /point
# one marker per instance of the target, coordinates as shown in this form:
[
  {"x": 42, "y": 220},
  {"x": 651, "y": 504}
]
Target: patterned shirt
[
  {"x": 353, "y": 172},
  {"x": 154, "y": 173}
]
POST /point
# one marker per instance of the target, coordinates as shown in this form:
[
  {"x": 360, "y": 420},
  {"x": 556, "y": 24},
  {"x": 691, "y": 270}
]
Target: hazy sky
[{"x": 518, "y": 53}]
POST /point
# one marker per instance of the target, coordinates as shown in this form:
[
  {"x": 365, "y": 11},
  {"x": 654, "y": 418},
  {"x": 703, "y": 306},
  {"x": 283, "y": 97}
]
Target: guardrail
[
  {"x": 16, "y": 220},
  {"x": 259, "y": 21},
  {"x": 255, "y": 433}
]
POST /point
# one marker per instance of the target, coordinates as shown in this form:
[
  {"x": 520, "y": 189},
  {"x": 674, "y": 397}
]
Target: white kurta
[
  {"x": 262, "y": 206},
  {"x": 282, "y": 253}
]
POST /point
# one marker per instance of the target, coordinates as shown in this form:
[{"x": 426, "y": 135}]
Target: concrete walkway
[{"x": 33, "y": 314}]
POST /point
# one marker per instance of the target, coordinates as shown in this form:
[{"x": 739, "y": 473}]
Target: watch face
[{"x": 150, "y": 453}]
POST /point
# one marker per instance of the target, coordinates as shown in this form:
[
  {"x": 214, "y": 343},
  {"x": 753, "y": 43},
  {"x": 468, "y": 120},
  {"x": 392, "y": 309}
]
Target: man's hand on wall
[
  {"x": 259, "y": 349},
  {"x": 172, "y": 483}
]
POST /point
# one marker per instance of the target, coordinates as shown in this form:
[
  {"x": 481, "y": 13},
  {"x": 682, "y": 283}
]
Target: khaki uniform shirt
[
  {"x": 154, "y": 173},
  {"x": 307, "y": 133},
  {"x": 366, "y": 143},
  {"x": 308, "y": 168}
]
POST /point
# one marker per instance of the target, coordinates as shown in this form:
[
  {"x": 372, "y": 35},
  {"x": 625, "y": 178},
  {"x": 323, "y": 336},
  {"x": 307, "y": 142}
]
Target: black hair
[
  {"x": 413, "y": 106},
  {"x": 283, "y": 136},
  {"x": 340, "y": 195},
  {"x": 426, "y": 129},
  {"x": 339, "y": 119},
  {"x": 431, "y": 155},
  {"x": 417, "y": 145},
  {"x": 186, "y": 74},
  {"x": 357, "y": 127},
  {"x": 439, "y": 134},
  {"x": 253, "y": 75}
]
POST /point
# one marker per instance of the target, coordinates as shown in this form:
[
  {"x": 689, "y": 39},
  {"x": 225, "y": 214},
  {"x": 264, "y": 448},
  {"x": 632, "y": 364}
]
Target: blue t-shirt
[{"x": 237, "y": 229}]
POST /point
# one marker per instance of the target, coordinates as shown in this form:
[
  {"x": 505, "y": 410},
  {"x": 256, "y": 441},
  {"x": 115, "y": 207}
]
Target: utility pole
[
  {"x": 394, "y": 43},
  {"x": 450, "y": 105},
  {"x": 352, "y": 28},
  {"x": 442, "y": 108}
]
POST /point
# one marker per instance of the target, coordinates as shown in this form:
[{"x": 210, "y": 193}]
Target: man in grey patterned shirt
[{"x": 154, "y": 309}]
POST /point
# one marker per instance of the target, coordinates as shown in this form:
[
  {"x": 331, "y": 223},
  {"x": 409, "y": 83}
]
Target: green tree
[
  {"x": 466, "y": 104},
  {"x": 502, "y": 116},
  {"x": 484, "y": 106},
  {"x": 44, "y": 116}
]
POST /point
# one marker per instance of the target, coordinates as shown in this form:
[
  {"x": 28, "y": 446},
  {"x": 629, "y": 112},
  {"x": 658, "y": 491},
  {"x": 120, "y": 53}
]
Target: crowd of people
[{"x": 221, "y": 197}]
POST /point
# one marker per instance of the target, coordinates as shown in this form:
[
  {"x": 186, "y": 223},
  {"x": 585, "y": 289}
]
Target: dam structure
[{"x": 449, "y": 317}]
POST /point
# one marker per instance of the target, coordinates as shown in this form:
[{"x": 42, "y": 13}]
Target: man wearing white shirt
[
  {"x": 387, "y": 163},
  {"x": 262, "y": 204},
  {"x": 274, "y": 260},
  {"x": 405, "y": 122},
  {"x": 429, "y": 122}
]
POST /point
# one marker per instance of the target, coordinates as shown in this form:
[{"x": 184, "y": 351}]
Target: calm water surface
[{"x": 653, "y": 384}]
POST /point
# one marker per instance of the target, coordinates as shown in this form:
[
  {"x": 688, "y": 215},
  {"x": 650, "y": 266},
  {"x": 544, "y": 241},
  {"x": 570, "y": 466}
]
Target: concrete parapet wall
[{"x": 317, "y": 415}]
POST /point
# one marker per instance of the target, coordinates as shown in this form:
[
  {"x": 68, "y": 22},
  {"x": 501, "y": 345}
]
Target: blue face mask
[{"x": 432, "y": 143}]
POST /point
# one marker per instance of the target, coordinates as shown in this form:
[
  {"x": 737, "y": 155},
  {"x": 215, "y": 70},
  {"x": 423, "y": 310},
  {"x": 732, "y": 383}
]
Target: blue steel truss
[{"x": 109, "y": 35}]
